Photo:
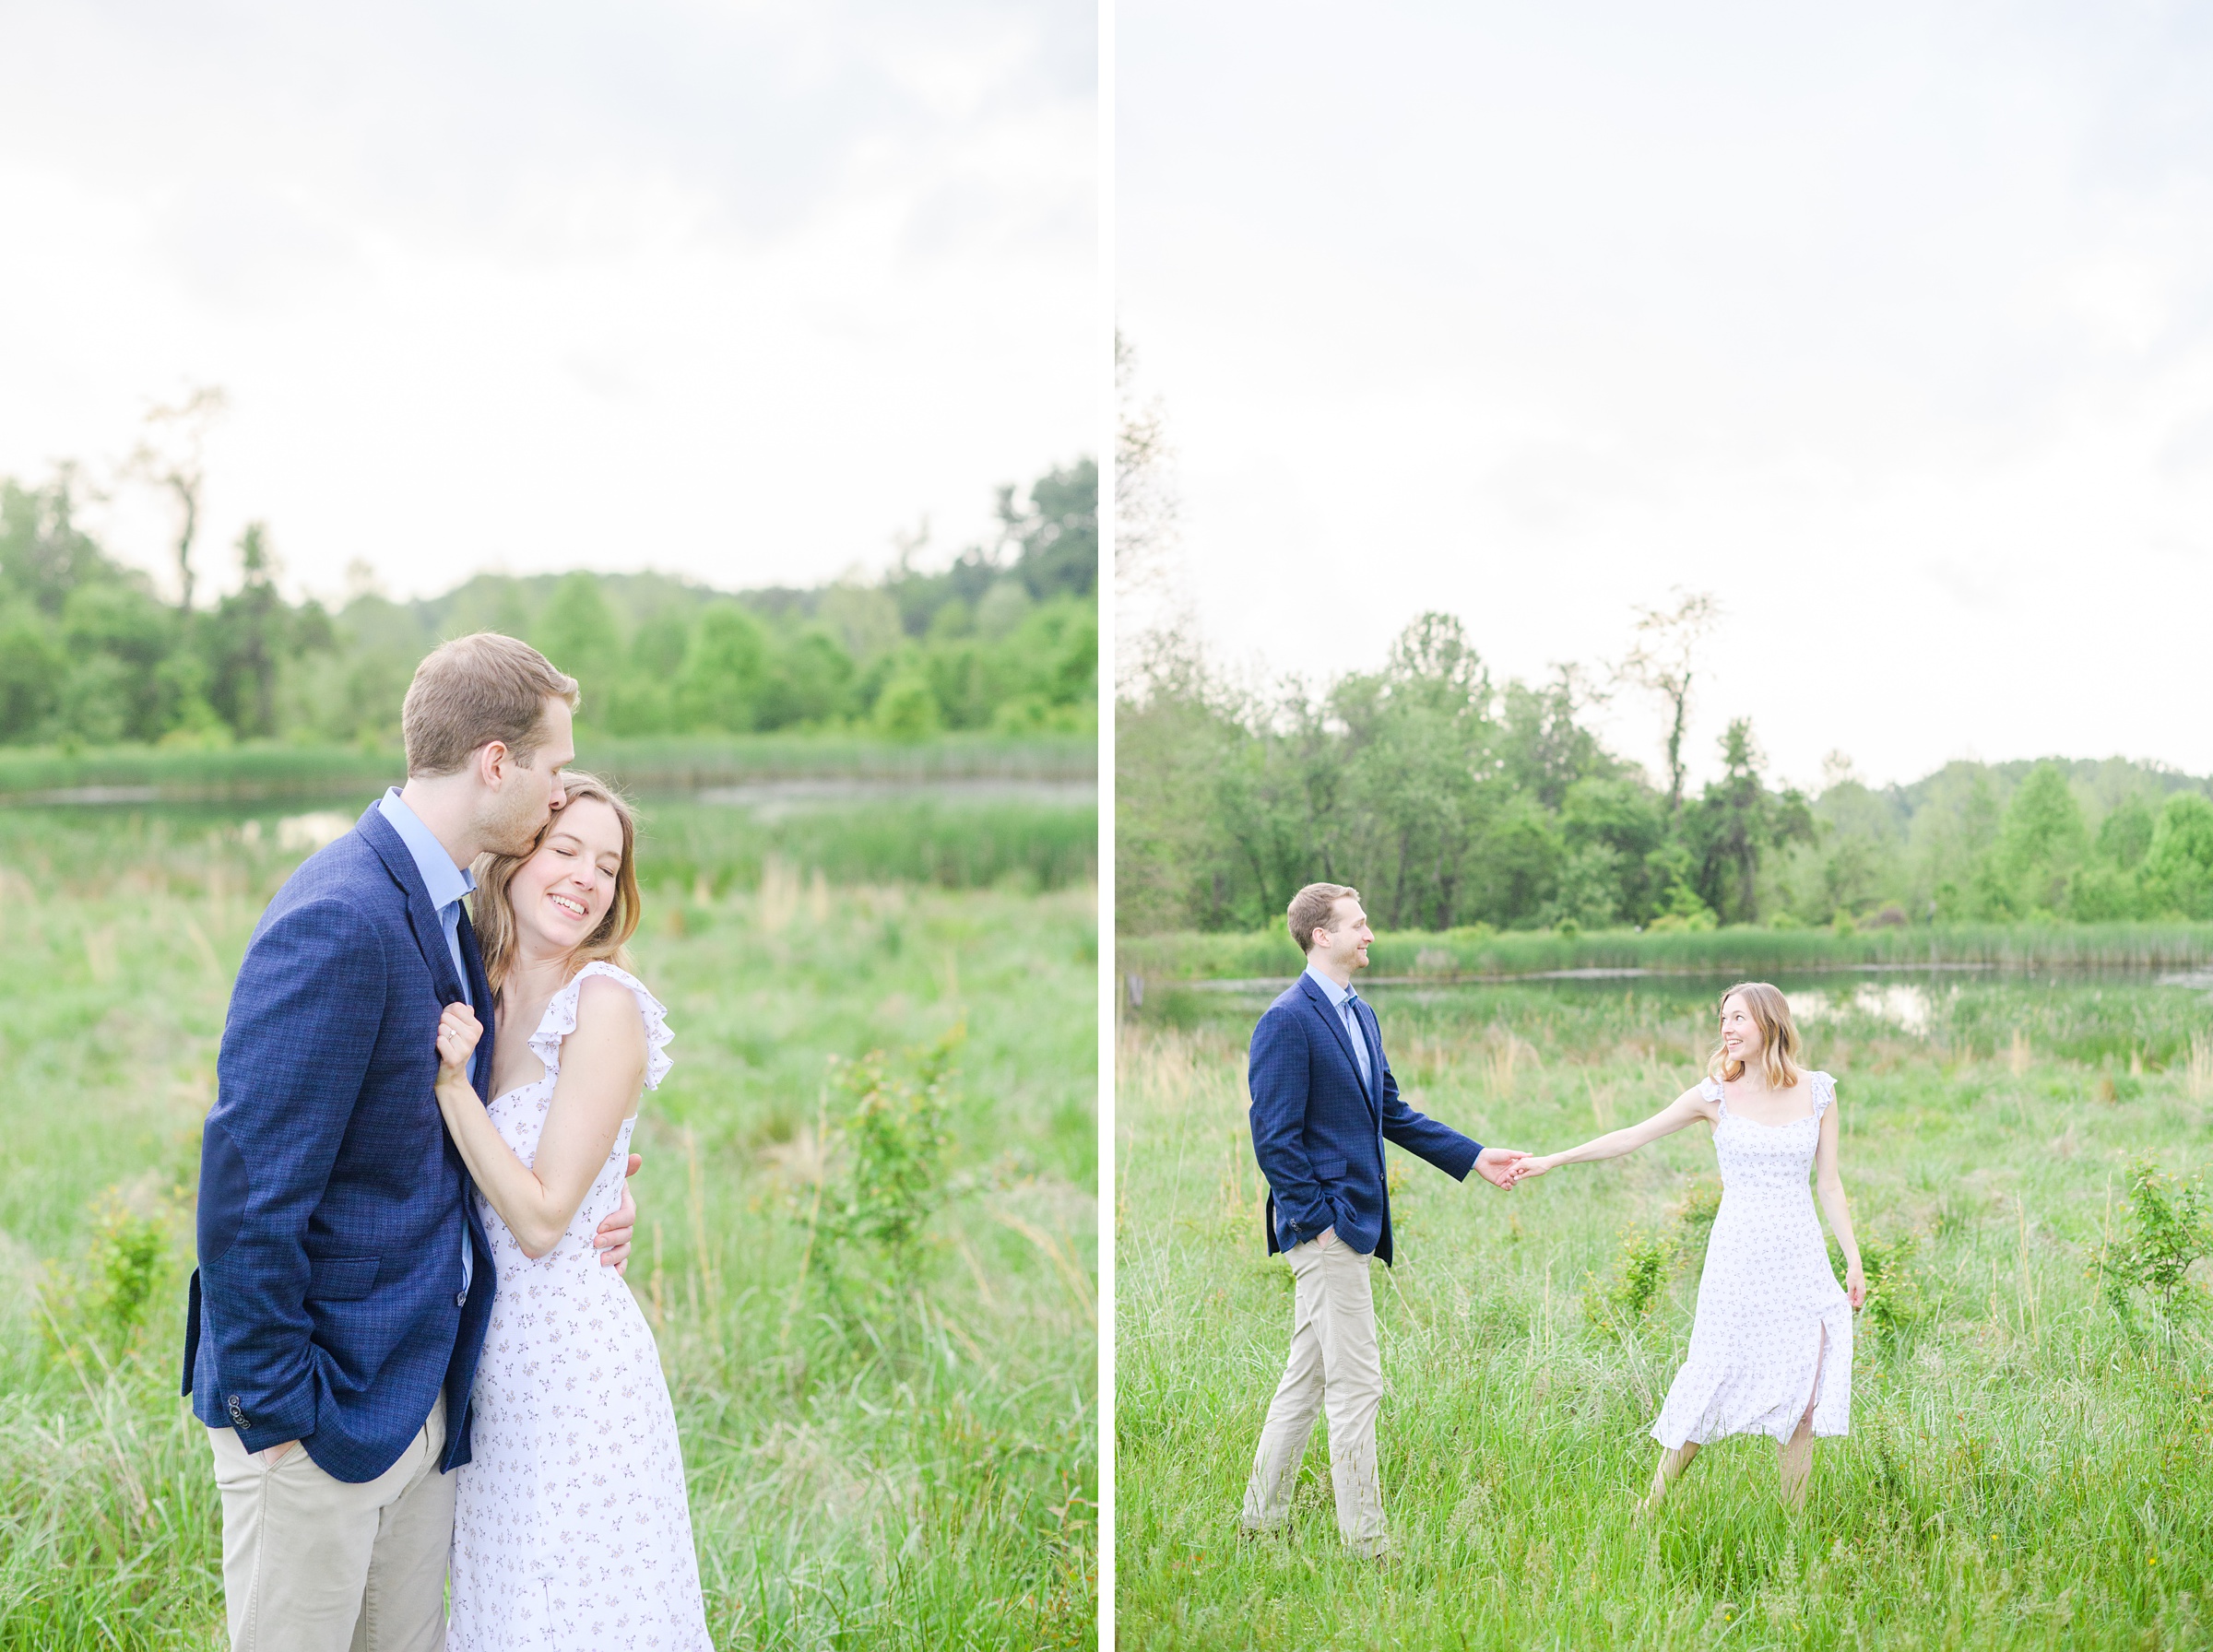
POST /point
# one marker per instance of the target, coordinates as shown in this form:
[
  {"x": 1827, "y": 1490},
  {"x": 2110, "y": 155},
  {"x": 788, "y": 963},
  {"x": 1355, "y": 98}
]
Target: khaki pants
[
  {"x": 1335, "y": 1369},
  {"x": 313, "y": 1565}
]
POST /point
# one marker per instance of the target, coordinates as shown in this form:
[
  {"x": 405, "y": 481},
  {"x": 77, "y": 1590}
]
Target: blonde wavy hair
[
  {"x": 493, "y": 914},
  {"x": 1779, "y": 1046}
]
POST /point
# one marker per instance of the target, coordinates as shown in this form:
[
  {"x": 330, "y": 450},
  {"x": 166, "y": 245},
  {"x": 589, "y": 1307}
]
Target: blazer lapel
[
  {"x": 422, "y": 917},
  {"x": 1335, "y": 1022},
  {"x": 1372, "y": 1036}
]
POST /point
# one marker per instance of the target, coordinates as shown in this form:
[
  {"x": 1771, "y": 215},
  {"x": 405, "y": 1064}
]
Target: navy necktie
[{"x": 1352, "y": 1002}]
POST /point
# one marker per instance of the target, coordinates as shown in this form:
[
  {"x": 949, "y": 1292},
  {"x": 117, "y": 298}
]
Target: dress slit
[{"x": 1821, "y": 1360}]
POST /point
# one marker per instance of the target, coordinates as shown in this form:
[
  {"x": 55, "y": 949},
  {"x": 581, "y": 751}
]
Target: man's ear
[{"x": 490, "y": 757}]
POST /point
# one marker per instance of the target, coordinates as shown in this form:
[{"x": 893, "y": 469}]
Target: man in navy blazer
[
  {"x": 1324, "y": 1103},
  {"x": 344, "y": 1283}
]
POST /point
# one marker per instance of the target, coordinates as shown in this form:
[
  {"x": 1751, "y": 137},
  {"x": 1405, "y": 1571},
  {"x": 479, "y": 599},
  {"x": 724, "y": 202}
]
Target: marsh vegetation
[
  {"x": 865, "y": 1243},
  {"x": 2031, "y": 1460}
]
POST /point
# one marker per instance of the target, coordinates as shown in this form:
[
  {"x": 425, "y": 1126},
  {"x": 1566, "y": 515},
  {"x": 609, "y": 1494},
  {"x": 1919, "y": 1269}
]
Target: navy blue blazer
[
  {"x": 1317, "y": 1132},
  {"x": 328, "y": 1306}
]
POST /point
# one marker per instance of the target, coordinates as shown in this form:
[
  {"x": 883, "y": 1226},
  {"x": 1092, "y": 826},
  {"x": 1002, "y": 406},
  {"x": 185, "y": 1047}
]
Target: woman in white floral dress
[
  {"x": 571, "y": 1529},
  {"x": 1770, "y": 1351}
]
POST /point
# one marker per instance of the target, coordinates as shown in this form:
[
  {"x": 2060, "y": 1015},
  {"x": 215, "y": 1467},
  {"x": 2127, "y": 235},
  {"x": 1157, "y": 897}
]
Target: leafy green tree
[
  {"x": 1619, "y": 824},
  {"x": 31, "y": 668},
  {"x": 1737, "y": 822},
  {"x": 1419, "y": 760},
  {"x": 116, "y": 635},
  {"x": 1058, "y": 534},
  {"x": 576, "y": 631},
  {"x": 724, "y": 670},
  {"x": 43, "y": 554},
  {"x": 907, "y": 708},
  {"x": 88, "y": 654},
  {"x": 1856, "y": 859},
  {"x": 2124, "y": 835},
  {"x": 810, "y": 682},
  {"x": 2041, "y": 840},
  {"x": 1541, "y": 749},
  {"x": 248, "y": 640},
  {"x": 2178, "y": 867}
]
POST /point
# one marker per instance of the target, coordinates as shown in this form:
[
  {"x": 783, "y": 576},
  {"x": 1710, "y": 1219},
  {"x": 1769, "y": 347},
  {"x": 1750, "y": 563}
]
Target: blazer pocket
[
  {"x": 1329, "y": 1167},
  {"x": 341, "y": 1278}
]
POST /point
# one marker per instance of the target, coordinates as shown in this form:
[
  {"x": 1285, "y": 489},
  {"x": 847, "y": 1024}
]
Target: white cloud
[
  {"x": 1891, "y": 326},
  {"x": 730, "y": 290}
]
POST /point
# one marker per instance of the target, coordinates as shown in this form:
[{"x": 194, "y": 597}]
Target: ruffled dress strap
[
  {"x": 1825, "y": 1092},
  {"x": 560, "y": 1020},
  {"x": 1710, "y": 1088}
]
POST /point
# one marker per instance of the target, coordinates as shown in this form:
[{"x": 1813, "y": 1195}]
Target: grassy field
[
  {"x": 1743, "y": 950},
  {"x": 890, "y": 1443},
  {"x": 271, "y": 769},
  {"x": 2026, "y": 1468}
]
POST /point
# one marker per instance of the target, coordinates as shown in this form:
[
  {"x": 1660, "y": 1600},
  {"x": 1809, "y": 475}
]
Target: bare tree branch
[
  {"x": 1661, "y": 663},
  {"x": 170, "y": 457}
]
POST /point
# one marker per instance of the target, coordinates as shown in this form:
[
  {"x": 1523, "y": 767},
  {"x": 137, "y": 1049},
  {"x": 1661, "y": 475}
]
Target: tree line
[
  {"x": 1452, "y": 801},
  {"x": 1006, "y": 638}
]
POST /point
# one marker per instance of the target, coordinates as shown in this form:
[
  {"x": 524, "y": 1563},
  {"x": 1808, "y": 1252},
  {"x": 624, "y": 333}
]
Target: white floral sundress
[
  {"x": 1770, "y": 1310},
  {"x": 571, "y": 1528}
]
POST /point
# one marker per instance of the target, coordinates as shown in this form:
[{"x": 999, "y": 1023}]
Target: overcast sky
[
  {"x": 739, "y": 290},
  {"x": 1892, "y": 325}
]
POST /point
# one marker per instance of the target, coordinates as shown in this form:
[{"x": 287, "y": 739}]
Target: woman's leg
[
  {"x": 1796, "y": 1460},
  {"x": 1672, "y": 1461}
]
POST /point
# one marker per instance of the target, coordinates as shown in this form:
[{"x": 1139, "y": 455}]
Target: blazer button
[
  {"x": 460, "y": 1299},
  {"x": 238, "y": 1412}
]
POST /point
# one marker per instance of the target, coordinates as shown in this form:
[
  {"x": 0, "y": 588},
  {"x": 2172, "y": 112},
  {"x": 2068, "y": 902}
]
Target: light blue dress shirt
[
  {"x": 1340, "y": 998},
  {"x": 447, "y": 883}
]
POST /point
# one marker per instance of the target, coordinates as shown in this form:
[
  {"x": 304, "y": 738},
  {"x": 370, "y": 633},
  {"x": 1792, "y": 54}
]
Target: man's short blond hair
[
  {"x": 475, "y": 690},
  {"x": 1312, "y": 908}
]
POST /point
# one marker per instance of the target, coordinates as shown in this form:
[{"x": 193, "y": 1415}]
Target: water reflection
[{"x": 1903, "y": 1003}]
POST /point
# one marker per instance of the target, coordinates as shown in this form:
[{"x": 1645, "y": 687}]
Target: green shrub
[
  {"x": 101, "y": 1305},
  {"x": 1623, "y": 1300},
  {"x": 1896, "y": 1301},
  {"x": 1694, "y": 1222},
  {"x": 891, "y": 1139},
  {"x": 2167, "y": 1229}
]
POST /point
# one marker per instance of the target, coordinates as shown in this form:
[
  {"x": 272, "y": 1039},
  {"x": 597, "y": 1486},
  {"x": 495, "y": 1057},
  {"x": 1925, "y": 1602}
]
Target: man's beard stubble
[{"x": 514, "y": 824}]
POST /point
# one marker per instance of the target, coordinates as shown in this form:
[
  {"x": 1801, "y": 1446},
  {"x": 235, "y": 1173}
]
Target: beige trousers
[
  {"x": 313, "y": 1565},
  {"x": 1335, "y": 1369}
]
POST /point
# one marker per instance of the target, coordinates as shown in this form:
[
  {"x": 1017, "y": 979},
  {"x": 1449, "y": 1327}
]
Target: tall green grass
[
  {"x": 902, "y": 1457},
  {"x": 2024, "y": 1470},
  {"x": 1743, "y": 950},
  {"x": 268, "y": 769}
]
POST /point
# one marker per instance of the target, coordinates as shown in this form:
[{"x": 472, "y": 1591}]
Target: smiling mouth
[{"x": 573, "y": 908}]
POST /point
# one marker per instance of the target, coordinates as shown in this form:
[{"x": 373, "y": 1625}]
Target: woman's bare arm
[
  {"x": 602, "y": 1068},
  {"x": 1684, "y": 1109},
  {"x": 1829, "y": 1181}
]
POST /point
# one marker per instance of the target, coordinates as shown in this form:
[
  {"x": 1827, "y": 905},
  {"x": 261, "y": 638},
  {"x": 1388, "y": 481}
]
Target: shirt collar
[
  {"x": 442, "y": 879},
  {"x": 1336, "y": 994}
]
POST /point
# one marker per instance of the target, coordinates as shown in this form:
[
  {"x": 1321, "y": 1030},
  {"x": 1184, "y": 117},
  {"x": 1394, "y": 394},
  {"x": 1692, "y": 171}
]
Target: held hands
[
  {"x": 1500, "y": 1166},
  {"x": 458, "y": 1030},
  {"x": 1535, "y": 1165}
]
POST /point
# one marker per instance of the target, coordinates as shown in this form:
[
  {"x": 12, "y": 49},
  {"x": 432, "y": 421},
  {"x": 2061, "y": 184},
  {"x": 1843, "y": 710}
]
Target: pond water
[{"x": 2129, "y": 1019}]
